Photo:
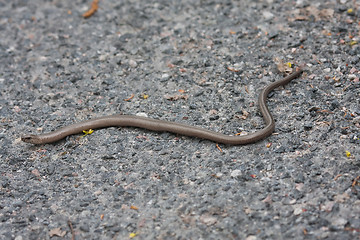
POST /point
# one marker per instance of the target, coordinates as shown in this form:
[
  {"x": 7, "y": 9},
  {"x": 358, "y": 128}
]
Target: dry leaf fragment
[
  {"x": 212, "y": 112},
  {"x": 326, "y": 13},
  {"x": 57, "y": 232},
  {"x": 245, "y": 115},
  {"x": 232, "y": 69},
  {"x": 340, "y": 198},
  {"x": 301, "y": 18},
  {"x": 322, "y": 14},
  {"x": 303, "y": 14},
  {"x": 282, "y": 67},
  {"x": 176, "y": 97},
  {"x": 208, "y": 220},
  {"x": 134, "y": 207},
  {"x": 36, "y": 173}
]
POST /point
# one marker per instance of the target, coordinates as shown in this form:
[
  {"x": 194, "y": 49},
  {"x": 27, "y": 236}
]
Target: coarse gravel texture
[{"x": 200, "y": 62}]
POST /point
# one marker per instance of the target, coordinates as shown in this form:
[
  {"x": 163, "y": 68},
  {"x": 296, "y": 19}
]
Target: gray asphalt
[{"x": 197, "y": 62}]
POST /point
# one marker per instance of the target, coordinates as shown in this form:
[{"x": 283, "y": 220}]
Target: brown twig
[
  {"x": 324, "y": 111},
  {"x": 355, "y": 181},
  {"x": 131, "y": 97},
  {"x": 337, "y": 176},
  {"x": 246, "y": 89},
  {"x": 72, "y": 230},
  {"x": 94, "y": 7}
]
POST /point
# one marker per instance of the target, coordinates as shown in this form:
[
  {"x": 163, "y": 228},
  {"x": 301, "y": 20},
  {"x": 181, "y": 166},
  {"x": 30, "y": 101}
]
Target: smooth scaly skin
[{"x": 166, "y": 126}]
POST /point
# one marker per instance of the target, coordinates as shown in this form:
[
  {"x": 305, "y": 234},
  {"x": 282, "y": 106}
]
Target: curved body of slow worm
[{"x": 166, "y": 126}]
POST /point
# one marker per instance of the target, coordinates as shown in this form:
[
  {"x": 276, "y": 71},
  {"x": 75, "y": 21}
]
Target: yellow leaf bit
[
  {"x": 145, "y": 96},
  {"x": 348, "y": 154},
  {"x": 87, "y": 132},
  {"x": 289, "y": 64},
  {"x": 132, "y": 235}
]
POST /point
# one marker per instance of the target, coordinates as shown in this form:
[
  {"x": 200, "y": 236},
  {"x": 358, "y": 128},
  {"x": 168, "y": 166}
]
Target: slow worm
[{"x": 167, "y": 126}]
